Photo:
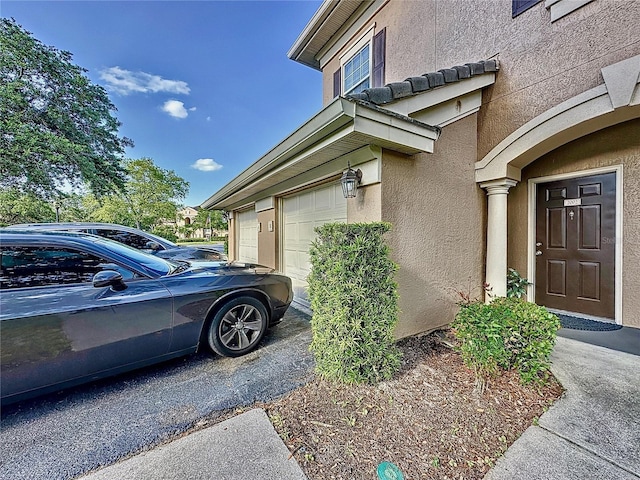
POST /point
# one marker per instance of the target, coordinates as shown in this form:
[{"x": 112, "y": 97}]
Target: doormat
[{"x": 577, "y": 323}]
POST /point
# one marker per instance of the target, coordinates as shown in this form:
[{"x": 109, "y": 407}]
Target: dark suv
[{"x": 133, "y": 237}]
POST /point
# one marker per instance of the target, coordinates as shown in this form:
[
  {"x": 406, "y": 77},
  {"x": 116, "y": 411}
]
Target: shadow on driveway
[{"x": 66, "y": 434}]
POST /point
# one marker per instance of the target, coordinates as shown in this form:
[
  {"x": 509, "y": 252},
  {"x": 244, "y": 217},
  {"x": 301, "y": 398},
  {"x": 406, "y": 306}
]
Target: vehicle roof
[
  {"x": 47, "y": 235},
  {"x": 54, "y": 226}
]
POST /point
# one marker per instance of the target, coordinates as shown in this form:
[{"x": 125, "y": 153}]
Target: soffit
[
  {"x": 342, "y": 127},
  {"x": 330, "y": 17}
]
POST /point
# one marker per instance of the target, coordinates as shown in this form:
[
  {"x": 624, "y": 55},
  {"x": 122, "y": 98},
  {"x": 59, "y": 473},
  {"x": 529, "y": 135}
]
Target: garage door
[
  {"x": 248, "y": 236},
  {"x": 301, "y": 214}
]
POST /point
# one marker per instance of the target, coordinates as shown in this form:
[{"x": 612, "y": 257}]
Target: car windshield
[{"x": 155, "y": 264}]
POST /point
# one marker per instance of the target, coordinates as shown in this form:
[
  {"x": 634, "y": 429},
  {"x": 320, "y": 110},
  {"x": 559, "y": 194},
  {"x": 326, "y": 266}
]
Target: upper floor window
[
  {"x": 519, "y": 6},
  {"x": 362, "y": 66},
  {"x": 357, "y": 71}
]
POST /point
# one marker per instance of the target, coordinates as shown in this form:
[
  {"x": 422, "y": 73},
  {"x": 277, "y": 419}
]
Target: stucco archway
[{"x": 617, "y": 100}]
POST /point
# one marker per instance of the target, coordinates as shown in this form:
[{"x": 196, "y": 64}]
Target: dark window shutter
[
  {"x": 519, "y": 6},
  {"x": 377, "y": 72},
  {"x": 337, "y": 83}
]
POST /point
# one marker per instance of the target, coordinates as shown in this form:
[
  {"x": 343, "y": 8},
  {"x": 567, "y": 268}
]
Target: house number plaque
[{"x": 572, "y": 202}]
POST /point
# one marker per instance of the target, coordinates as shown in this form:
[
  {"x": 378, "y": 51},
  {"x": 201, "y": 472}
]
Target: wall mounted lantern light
[{"x": 350, "y": 181}]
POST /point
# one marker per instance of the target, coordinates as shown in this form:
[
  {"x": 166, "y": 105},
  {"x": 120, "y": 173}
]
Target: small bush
[
  {"x": 355, "y": 303},
  {"x": 516, "y": 284},
  {"x": 504, "y": 334}
]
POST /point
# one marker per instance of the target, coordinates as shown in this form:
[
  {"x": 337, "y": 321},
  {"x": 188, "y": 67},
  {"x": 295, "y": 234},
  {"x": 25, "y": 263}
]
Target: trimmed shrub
[
  {"x": 354, "y": 299},
  {"x": 504, "y": 334}
]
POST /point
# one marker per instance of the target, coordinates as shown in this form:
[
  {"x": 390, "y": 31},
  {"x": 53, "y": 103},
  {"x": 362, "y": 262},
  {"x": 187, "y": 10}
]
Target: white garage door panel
[
  {"x": 248, "y": 236},
  {"x": 302, "y": 214}
]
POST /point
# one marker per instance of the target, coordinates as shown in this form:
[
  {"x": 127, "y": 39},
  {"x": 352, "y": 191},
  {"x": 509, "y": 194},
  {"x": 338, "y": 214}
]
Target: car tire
[{"x": 237, "y": 327}]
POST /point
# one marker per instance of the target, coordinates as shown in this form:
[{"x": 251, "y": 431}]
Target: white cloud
[
  {"x": 206, "y": 165},
  {"x": 125, "y": 82},
  {"x": 175, "y": 109},
  {"x": 208, "y": 119}
]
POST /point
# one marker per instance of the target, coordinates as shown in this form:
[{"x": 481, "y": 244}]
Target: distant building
[{"x": 185, "y": 229}]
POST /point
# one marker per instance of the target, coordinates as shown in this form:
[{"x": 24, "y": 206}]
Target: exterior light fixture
[{"x": 350, "y": 181}]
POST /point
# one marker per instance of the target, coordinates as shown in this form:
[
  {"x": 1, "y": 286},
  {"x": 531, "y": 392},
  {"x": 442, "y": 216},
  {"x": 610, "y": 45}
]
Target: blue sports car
[{"x": 77, "y": 307}]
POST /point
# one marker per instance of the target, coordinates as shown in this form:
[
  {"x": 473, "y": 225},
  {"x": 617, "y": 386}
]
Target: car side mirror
[{"x": 109, "y": 278}]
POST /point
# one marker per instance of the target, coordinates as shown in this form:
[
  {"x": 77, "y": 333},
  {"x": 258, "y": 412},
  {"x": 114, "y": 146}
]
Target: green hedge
[
  {"x": 202, "y": 240},
  {"x": 504, "y": 334},
  {"x": 354, "y": 299}
]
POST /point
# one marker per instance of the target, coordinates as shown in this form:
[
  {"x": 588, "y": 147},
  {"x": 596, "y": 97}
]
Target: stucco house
[
  {"x": 186, "y": 217},
  {"x": 490, "y": 134}
]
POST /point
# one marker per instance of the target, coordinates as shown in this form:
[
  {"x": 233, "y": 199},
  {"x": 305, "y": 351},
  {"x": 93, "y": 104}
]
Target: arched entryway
[{"x": 614, "y": 103}]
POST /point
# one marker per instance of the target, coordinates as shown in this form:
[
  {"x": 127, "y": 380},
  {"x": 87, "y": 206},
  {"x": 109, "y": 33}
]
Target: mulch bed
[{"x": 429, "y": 420}]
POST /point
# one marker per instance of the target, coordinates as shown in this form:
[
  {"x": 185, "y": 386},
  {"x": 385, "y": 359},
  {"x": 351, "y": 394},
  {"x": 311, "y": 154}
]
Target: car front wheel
[{"x": 237, "y": 327}]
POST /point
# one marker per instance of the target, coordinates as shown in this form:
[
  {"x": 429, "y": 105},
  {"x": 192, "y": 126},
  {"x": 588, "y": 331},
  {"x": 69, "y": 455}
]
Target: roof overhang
[
  {"x": 342, "y": 127},
  {"x": 328, "y": 19}
]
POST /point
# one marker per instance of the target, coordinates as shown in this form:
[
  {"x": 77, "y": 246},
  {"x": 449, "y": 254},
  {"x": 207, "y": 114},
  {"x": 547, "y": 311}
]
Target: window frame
[{"x": 365, "y": 40}]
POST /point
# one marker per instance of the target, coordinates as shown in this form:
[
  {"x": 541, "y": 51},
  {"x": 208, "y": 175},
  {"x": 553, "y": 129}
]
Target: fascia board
[
  {"x": 321, "y": 125},
  {"x": 431, "y": 98},
  {"x": 345, "y": 35},
  {"x": 344, "y": 120},
  {"x": 315, "y": 175},
  {"x": 407, "y": 136},
  {"x": 322, "y": 28}
]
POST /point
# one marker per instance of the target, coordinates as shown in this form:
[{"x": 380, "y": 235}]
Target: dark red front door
[{"x": 575, "y": 245}]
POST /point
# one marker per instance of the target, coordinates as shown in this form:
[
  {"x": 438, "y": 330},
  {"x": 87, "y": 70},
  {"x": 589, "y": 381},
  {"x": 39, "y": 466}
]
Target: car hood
[{"x": 225, "y": 267}]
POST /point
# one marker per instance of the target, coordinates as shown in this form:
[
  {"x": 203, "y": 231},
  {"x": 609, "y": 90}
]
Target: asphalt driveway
[{"x": 67, "y": 434}]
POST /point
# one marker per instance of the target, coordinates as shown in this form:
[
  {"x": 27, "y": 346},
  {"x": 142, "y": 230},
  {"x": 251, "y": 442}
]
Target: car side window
[
  {"x": 132, "y": 239},
  {"x": 26, "y": 266}
]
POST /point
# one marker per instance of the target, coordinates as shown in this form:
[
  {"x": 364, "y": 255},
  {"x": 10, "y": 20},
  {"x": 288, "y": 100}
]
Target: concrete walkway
[
  {"x": 593, "y": 432},
  {"x": 245, "y": 447}
]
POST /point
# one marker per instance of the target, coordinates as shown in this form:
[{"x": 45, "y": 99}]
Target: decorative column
[{"x": 496, "y": 275}]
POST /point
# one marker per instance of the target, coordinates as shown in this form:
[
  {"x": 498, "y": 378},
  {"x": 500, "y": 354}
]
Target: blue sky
[{"x": 204, "y": 88}]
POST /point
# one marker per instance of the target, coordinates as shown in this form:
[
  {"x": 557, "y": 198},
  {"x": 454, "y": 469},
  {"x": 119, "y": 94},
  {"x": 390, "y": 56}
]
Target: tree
[
  {"x": 56, "y": 127},
  {"x": 212, "y": 219},
  {"x": 18, "y": 207},
  {"x": 151, "y": 196}
]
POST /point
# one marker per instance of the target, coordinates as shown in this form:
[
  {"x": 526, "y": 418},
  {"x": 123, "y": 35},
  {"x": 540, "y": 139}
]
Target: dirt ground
[{"x": 428, "y": 420}]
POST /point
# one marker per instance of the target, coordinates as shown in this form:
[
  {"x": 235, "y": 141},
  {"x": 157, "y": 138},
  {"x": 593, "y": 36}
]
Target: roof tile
[
  {"x": 401, "y": 89},
  {"x": 419, "y": 84},
  {"x": 436, "y": 79},
  {"x": 450, "y": 75}
]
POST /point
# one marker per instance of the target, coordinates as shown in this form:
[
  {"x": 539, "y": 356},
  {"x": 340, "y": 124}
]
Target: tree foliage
[
  {"x": 18, "y": 207},
  {"x": 56, "y": 127},
  {"x": 152, "y": 196},
  {"x": 210, "y": 219}
]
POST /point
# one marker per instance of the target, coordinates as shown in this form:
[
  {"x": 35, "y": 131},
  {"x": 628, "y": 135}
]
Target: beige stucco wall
[
  {"x": 618, "y": 145},
  {"x": 437, "y": 212},
  {"x": 367, "y": 206},
  {"x": 267, "y": 253},
  {"x": 541, "y": 63}
]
